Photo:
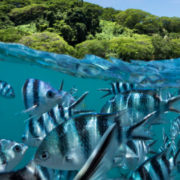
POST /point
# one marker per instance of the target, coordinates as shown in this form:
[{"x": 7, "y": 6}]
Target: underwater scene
[
  {"x": 89, "y": 90},
  {"x": 66, "y": 118}
]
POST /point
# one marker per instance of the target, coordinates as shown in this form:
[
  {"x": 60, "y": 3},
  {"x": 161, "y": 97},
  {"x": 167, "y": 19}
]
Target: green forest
[{"x": 78, "y": 28}]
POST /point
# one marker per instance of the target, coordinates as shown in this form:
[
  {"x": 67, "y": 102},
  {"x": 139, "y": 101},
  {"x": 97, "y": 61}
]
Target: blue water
[
  {"x": 12, "y": 122},
  {"x": 18, "y": 63}
]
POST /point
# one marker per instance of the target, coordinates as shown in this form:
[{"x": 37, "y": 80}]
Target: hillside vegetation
[{"x": 77, "y": 28}]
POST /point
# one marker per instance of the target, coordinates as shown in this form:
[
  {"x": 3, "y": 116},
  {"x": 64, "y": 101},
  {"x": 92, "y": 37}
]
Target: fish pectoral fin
[{"x": 32, "y": 108}]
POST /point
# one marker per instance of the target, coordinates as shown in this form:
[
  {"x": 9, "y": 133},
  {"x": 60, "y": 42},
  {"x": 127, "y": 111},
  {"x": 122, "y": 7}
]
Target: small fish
[
  {"x": 11, "y": 153},
  {"x": 38, "y": 128},
  {"x": 118, "y": 88},
  {"x": 141, "y": 103},
  {"x": 175, "y": 131},
  {"x": 68, "y": 146},
  {"x": 101, "y": 159},
  {"x": 158, "y": 167},
  {"x": 40, "y": 97},
  {"x": 6, "y": 90},
  {"x": 31, "y": 172}
]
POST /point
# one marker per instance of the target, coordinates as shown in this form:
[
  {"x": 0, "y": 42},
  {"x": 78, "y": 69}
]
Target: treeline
[{"x": 77, "y": 28}]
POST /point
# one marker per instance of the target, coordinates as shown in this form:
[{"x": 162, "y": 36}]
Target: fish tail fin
[
  {"x": 101, "y": 159},
  {"x": 173, "y": 104}
]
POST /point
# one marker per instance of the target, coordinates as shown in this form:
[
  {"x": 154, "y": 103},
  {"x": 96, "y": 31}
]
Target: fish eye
[
  {"x": 17, "y": 148},
  {"x": 50, "y": 94},
  {"x": 44, "y": 156}
]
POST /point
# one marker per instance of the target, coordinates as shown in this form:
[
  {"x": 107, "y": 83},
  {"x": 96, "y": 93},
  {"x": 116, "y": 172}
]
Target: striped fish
[
  {"x": 31, "y": 172},
  {"x": 101, "y": 159},
  {"x": 119, "y": 88},
  {"x": 68, "y": 146},
  {"x": 141, "y": 103},
  {"x": 38, "y": 128},
  {"x": 39, "y": 97},
  {"x": 11, "y": 153},
  {"x": 159, "y": 167},
  {"x": 175, "y": 131},
  {"x": 6, "y": 90}
]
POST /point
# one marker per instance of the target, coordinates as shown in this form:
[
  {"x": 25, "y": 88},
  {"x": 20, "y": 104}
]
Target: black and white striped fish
[
  {"x": 11, "y": 153},
  {"x": 175, "y": 132},
  {"x": 118, "y": 88},
  {"x": 38, "y": 128},
  {"x": 68, "y": 146},
  {"x": 101, "y": 159},
  {"x": 159, "y": 167},
  {"x": 31, "y": 172},
  {"x": 6, "y": 90},
  {"x": 40, "y": 97},
  {"x": 141, "y": 103}
]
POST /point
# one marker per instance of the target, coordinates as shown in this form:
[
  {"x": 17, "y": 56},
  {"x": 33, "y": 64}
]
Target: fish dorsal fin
[
  {"x": 105, "y": 90},
  {"x": 61, "y": 86},
  {"x": 171, "y": 104},
  {"x": 100, "y": 160},
  {"x": 79, "y": 100}
]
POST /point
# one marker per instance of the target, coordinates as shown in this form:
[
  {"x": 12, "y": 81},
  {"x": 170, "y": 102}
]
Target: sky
[{"x": 157, "y": 7}]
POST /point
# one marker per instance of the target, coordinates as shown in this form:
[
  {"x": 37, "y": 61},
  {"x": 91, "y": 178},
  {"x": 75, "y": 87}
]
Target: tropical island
[{"x": 78, "y": 28}]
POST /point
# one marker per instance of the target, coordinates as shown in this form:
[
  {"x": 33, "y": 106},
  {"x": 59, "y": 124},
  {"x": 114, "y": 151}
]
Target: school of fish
[{"x": 74, "y": 143}]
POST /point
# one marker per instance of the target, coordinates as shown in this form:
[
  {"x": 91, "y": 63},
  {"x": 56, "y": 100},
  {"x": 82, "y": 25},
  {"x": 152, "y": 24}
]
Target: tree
[
  {"x": 149, "y": 25},
  {"x": 131, "y": 17}
]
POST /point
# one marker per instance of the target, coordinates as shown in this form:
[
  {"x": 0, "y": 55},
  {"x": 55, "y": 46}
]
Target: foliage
[
  {"x": 83, "y": 21},
  {"x": 163, "y": 47},
  {"x": 109, "y": 14},
  {"x": 5, "y": 22},
  {"x": 95, "y": 46},
  {"x": 11, "y": 35},
  {"x": 176, "y": 48},
  {"x": 91, "y": 29},
  {"x": 15, "y": 3},
  {"x": 149, "y": 25},
  {"x": 47, "y": 41},
  {"x": 27, "y": 28},
  {"x": 111, "y": 30},
  {"x": 131, "y": 17},
  {"x": 26, "y": 14},
  {"x": 131, "y": 48}
]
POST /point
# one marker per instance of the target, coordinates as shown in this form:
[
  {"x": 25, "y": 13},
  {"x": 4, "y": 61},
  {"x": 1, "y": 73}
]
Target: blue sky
[{"x": 157, "y": 7}]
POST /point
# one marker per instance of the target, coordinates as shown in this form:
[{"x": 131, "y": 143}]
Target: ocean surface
[{"x": 18, "y": 63}]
